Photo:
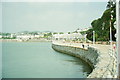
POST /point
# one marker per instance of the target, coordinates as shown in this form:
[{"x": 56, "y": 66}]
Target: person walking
[
  {"x": 83, "y": 45},
  {"x": 114, "y": 46}
]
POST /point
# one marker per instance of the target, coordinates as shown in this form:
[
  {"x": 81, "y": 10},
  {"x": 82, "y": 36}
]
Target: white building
[
  {"x": 68, "y": 36},
  {"x": 0, "y": 36},
  {"x": 25, "y": 37},
  {"x": 12, "y": 35},
  {"x": 41, "y": 35},
  {"x": 85, "y": 29},
  {"x": 36, "y": 36}
]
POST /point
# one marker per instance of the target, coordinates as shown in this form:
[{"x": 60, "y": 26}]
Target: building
[
  {"x": 24, "y": 36},
  {"x": 0, "y": 36},
  {"x": 67, "y": 36}
]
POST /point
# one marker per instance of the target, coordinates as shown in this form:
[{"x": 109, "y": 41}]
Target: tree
[
  {"x": 55, "y": 33},
  {"x": 83, "y": 32},
  {"x": 101, "y": 26},
  {"x": 61, "y": 33},
  {"x": 90, "y": 34},
  {"x": 68, "y": 32}
]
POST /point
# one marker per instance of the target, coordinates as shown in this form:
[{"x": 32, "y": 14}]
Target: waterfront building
[
  {"x": 12, "y": 35},
  {"x": 0, "y": 36},
  {"x": 41, "y": 35},
  {"x": 66, "y": 36},
  {"x": 36, "y": 36},
  {"x": 6, "y": 35},
  {"x": 25, "y": 36}
]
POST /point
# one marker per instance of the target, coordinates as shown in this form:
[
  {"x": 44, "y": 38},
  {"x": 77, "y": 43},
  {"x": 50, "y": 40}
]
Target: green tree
[
  {"x": 68, "y": 32},
  {"x": 61, "y": 33},
  {"x": 101, "y": 26},
  {"x": 55, "y": 33}
]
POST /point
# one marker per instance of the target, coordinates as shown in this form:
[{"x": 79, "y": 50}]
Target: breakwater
[{"x": 97, "y": 57}]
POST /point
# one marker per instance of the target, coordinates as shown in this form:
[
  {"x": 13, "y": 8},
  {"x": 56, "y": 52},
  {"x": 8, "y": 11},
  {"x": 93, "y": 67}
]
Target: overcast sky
[{"x": 49, "y": 16}]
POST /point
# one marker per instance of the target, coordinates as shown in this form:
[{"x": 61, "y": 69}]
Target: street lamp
[
  {"x": 93, "y": 37},
  {"x": 118, "y": 36},
  {"x": 111, "y": 18},
  {"x": 85, "y": 38}
]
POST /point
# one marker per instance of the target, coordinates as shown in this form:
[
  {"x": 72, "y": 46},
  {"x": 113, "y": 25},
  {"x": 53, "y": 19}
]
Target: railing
[{"x": 111, "y": 67}]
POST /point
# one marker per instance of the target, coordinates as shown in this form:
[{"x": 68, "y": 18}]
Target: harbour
[{"x": 39, "y": 60}]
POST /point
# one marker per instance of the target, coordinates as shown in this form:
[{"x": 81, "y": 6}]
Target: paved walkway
[{"x": 107, "y": 64}]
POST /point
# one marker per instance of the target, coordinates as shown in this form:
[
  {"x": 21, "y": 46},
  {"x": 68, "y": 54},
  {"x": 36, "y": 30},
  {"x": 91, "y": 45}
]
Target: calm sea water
[{"x": 39, "y": 60}]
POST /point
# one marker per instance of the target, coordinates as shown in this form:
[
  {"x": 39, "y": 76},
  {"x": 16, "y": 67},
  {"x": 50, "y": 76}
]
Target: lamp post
[
  {"x": 85, "y": 38},
  {"x": 93, "y": 37},
  {"x": 118, "y": 36},
  {"x": 111, "y": 18},
  {"x": 110, "y": 35}
]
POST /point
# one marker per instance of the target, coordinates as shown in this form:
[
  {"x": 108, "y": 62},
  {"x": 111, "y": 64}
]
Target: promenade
[{"x": 107, "y": 65}]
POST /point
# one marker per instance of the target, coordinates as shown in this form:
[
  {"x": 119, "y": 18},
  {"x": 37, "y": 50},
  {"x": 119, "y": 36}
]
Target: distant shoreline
[
  {"x": 15, "y": 40},
  {"x": 45, "y": 40}
]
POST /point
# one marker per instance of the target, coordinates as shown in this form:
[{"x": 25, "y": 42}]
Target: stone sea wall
[{"x": 92, "y": 56}]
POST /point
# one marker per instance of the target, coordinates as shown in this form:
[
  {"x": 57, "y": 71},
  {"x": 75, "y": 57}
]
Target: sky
[{"x": 49, "y": 16}]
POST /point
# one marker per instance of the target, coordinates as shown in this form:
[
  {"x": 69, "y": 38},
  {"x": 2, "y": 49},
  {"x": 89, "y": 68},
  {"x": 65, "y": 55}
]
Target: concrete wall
[
  {"x": 89, "y": 55},
  {"x": 101, "y": 68}
]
